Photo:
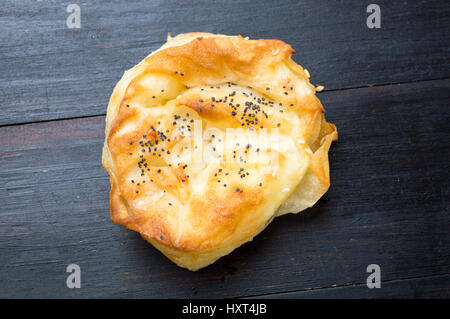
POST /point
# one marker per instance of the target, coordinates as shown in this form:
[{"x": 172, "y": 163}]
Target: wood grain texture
[
  {"x": 52, "y": 72},
  {"x": 388, "y": 204},
  {"x": 427, "y": 287}
]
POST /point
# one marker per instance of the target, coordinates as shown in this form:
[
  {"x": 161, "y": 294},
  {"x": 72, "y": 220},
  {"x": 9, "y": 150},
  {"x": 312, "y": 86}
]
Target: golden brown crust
[{"x": 199, "y": 211}]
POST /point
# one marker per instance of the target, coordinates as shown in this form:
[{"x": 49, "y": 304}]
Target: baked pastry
[{"x": 202, "y": 93}]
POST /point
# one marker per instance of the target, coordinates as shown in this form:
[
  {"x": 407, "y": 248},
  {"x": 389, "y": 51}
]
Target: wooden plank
[
  {"x": 52, "y": 72},
  {"x": 388, "y": 205},
  {"x": 428, "y": 287}
]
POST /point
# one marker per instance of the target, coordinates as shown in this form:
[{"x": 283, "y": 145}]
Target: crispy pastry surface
[{"x": 196, "y": 211}]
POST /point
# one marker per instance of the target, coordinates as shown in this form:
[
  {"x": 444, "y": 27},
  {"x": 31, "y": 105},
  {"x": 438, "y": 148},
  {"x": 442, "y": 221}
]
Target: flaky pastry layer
[{"x": 195, "y": 211}]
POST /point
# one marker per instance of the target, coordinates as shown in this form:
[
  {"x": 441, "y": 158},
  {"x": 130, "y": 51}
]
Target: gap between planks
[{"x": 341, "y": 286}]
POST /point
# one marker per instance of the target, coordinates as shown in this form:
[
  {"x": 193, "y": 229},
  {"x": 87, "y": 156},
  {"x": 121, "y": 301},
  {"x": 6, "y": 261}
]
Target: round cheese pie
[{"x": 208, "y": 139}]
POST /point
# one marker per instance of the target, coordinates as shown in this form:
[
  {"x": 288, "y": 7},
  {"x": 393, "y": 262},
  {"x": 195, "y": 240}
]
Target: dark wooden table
[{"x": 387, "y": 90}]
